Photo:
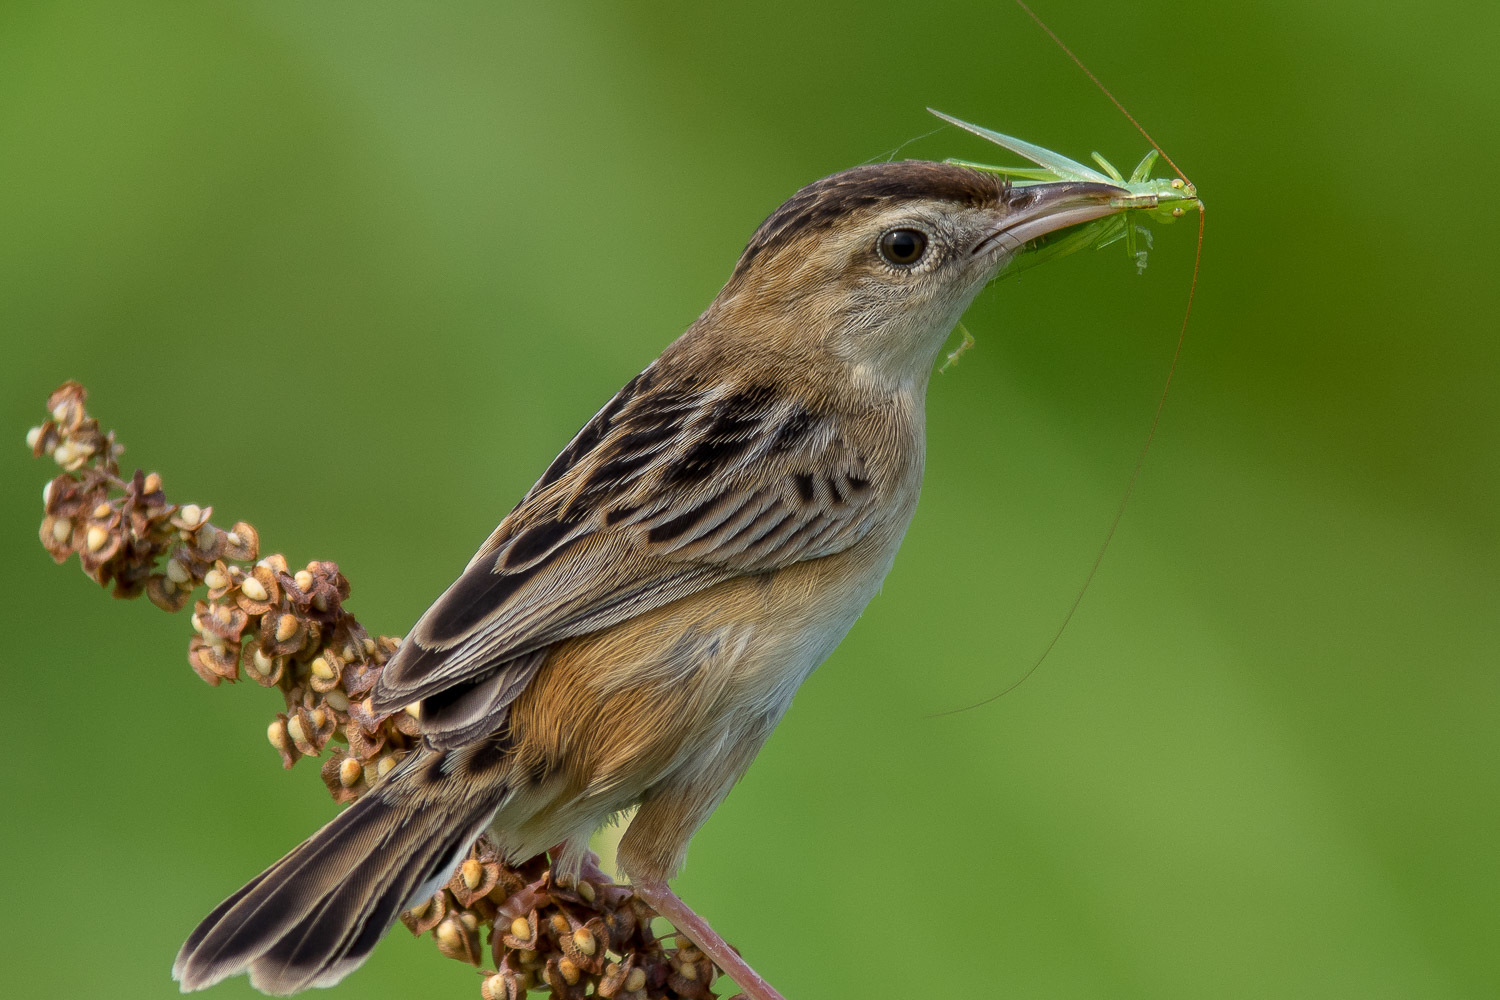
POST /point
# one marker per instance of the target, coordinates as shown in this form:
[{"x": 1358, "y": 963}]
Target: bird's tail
[{"x": 315, "y": 915}]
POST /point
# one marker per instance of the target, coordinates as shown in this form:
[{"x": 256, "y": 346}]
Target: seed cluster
[{"x": 289, "y": 630}]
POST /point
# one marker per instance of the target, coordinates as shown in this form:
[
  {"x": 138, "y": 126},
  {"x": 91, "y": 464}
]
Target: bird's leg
[{"x": 668, "y": 904}]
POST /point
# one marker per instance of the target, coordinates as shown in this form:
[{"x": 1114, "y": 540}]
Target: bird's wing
[{"x": 672, "y": 487}]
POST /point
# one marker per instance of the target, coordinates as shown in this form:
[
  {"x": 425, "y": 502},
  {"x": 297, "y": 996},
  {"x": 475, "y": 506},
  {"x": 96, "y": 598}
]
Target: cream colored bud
[
  {"x": 304, "y": 580},
  {"x": 190, "y": 514},
  {"x": 60, "y": 412},
  {"x": 254, "y": 589},
  {"x": 207, "y": 534},
  {"x": 262, "y": 662},
  {"x": 286, "y": 627},
  {"x": 414, "y": 710},
  {"x": 493, "y": 988},
  {"x": 319, "y": 718},
  {"x": 276, "y": 732},
  {"x": 32, "y": 437},
  {"x": 472, "y": 873},
  {"x": 320, "y": 667},
  {"x": 568, "y": 971},
  {"x": 177, "y": 572},
  {"x": 216, "y": 579},
  {"x": 585, "y": 940},
  {"x": 682, "y": 942},
  {"x": 47, "y": 493},
  {"x": 294, "y": 730},
  {"x": 688, "y": 971},
  {"x": 559, "y": 924},
  {"x": 520, "y": 928},
  {"x": 152, "y": 483},
  {"x": 337, "y": 700},
  {"x": 384, "y": 767},
  {"x": 636, "y": 981},
  {"x": 233, "y": 538},
  {"x": 469, "y": 920},
  {"x": 103, "y": 510},
  {"x": 62, "y": 530},
  {"x": 197, "y": 623},
  {"x": 586, "y": 890},
  {"x": 350, "y": 772},
  {"x": 369, "y": 646},
  {"x": 96, "y": 538}
]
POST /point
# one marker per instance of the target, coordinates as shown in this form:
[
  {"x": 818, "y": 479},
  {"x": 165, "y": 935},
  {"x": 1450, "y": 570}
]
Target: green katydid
[{"x": 1158, "y": 198}]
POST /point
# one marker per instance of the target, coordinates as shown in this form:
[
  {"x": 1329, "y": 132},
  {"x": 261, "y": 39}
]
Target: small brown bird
[{"x": 634, "y": 629}]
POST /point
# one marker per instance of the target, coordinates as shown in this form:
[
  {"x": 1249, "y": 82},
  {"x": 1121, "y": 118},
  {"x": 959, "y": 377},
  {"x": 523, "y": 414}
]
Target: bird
[{"x": 636, "y": 626}]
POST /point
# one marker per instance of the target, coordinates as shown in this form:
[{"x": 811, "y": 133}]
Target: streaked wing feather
[{"x": 672, "y": 487}]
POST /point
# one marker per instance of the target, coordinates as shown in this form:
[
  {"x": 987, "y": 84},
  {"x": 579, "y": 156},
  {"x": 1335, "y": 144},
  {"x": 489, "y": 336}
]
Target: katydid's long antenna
[
  {"x": 1135, "y": 475},
  {"x": 1105, "y": 91},
  {"x": 1161, "y": 401}
]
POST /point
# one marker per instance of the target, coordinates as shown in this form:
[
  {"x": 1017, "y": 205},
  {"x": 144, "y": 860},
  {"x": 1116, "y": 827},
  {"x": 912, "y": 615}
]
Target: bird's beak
[{"x": 1034, "y": 210}]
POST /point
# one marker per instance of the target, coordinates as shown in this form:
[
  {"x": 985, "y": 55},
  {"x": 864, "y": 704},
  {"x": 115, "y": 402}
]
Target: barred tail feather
[{"x": 315, "y": 915}]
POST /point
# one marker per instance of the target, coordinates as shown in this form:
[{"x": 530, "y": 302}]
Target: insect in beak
[{"x": 1058, "y": 193}]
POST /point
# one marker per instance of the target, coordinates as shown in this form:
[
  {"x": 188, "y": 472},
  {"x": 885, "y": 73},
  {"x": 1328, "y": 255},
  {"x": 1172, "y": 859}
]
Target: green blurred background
[{"x": 355, "y": 272}]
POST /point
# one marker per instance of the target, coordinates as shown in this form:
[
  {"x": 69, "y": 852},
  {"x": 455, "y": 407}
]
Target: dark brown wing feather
[{"x": 672, "y": 487}]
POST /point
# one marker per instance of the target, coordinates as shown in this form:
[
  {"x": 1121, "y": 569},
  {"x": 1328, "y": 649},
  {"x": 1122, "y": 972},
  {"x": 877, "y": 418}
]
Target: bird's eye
[{"x": 903, "y": 247}]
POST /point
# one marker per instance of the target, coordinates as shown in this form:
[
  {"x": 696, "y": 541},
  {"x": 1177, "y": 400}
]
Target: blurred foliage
[{"x": 389, "y": 257}]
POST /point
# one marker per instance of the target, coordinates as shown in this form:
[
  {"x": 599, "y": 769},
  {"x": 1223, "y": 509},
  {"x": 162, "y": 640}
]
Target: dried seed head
[
  {"x": 449, "y": 936},
  {"x": 498, "y": 987}
]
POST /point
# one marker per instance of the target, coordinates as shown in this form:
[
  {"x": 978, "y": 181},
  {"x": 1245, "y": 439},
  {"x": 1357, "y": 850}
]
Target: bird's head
[{"x": 873, "y": 266}]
